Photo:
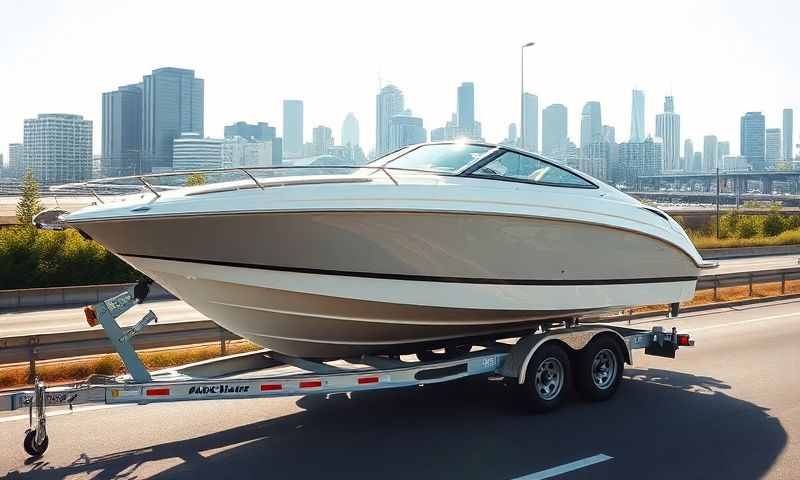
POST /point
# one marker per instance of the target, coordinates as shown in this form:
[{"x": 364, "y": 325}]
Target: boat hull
[{"x": 333, "y": 284}]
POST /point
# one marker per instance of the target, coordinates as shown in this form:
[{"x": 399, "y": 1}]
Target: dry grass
[
  {"x": 789, "y": 237},
  {"x": 72, "y": 370},
  {"x": 727, "y": 294}
]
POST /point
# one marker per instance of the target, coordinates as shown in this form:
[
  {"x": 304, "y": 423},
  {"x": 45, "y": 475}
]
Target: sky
[{"x": 718, "y": 59}]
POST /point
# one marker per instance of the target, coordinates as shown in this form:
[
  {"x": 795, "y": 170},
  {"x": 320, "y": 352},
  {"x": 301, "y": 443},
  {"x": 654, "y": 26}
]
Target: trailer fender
[{"x": 516, "y": 364}]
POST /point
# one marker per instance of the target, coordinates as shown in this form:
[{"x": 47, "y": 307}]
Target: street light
[{"x": 522, "y": 93}]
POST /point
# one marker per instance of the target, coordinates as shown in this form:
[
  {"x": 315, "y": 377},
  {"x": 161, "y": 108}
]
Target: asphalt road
[
  {"x": 30, "y": 322},
  {"x": 727, "y": 408}
]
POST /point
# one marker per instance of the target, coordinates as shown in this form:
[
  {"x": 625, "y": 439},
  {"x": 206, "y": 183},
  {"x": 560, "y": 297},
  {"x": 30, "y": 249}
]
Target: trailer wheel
[
  {"x": 546, "y": 379},
  {"x": 31, "y": 447},
  {"x": 599, "y": 370}
]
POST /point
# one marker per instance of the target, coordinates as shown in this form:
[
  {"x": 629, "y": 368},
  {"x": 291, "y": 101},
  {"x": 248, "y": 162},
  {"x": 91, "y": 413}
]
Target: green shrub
[
  {"x": 774, "y": 225},
  {"x": 749, "y": 226},
  {"x": 32, "y": 258},
  {"x": 729, "y": 224}
]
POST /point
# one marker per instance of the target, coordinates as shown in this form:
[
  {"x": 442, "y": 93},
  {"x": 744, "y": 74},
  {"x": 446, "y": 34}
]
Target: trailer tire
[
  {"x": 598, "y": 372},
  {"x": 30, "y": 444},
  {"x": 546, "y": 379}
]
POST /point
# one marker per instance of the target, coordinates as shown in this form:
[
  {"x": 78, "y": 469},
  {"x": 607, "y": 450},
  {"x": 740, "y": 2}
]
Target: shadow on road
[{"x": 661, "y": 424}]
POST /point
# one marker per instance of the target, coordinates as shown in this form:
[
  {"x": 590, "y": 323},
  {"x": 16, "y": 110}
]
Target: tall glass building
[
  {"x": 292, "y": 128},
  {"x": 172, "y": 105},
  {"x": 752, "y": 133},
  {"x": 122, "y": 132},
  {"x": 554, "y": 131},
  {"x": 668, "y": 129},
  {"x": 637, "y": 116},
  {"x": 388, "y": 103}
]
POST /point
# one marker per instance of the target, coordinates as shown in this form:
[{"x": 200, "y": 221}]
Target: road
[
  {"x": 727, "y": 408},
  {"x": 30, "y": 322}
]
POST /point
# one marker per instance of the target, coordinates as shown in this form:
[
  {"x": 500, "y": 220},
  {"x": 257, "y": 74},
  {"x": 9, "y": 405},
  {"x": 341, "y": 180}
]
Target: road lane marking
[
  {"x": 65, "y": 411},
  {"x": 742, "y": 322},
  {"x": 567, "y": 467}
]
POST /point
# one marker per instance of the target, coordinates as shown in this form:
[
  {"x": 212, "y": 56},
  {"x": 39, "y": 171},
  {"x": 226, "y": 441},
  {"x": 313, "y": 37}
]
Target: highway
[
  {"x": 30, "y": 322},
  {"x": 727, "y": 408}
]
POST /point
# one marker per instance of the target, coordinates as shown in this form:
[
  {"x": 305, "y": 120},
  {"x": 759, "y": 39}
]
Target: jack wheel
[{"x": 31, "y": 447}]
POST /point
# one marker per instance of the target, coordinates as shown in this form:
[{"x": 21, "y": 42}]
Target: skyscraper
[
  {"x": 554, "y": 131},
  {"x": 788, "y": 133},
  {"x": 772, "y": 148},
  {"x": 388, "y": 103},
  {"x": 16, "y": 159},
  {"x": 752, "y": 140},
  {"x": 688, "y": 155},
  {"x": 172, "y": 105},
  {"x": 637, "y": 116},
  {"x": 121, "y": 140},
  {"x": 668, "y": 128},
  {"x": 465, "y": 110},
  {"x": 638, "y": 159},
  {"x": 292, "y": 128},
  {"x": 596, "y": 160},
  {"x": 511, "y": 139},
  {"x": 723, "y": 150},
  {"x": 406, "y": 129},
  {"x": 591, "y": 124},
  {"x": 322, "y": 138},
  {"x": 530, "y": 127},
  {"x": 697, "y": 162},
  {"x": 709, "y": 153},
  {"x": 58, "y": 148},
  {"x": 350, "y": 132}
]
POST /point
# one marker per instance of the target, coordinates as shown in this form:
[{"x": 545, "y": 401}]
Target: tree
[
  {"x": 29, "y": 204},
  {"x": 195, "y": 179}
]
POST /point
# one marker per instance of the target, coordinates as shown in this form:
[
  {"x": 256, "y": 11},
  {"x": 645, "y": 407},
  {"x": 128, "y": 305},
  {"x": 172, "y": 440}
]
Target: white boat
[{"x": 433, "y": 244}]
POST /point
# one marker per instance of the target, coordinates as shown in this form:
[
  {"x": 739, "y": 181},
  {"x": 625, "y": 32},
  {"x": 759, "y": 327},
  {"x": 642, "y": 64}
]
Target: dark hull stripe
[{"x": 422, "y": 278}]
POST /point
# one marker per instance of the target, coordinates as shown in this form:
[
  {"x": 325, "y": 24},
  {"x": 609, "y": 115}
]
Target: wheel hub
[
  {"x": 604, "y": 369},
  {"x": 549, "y": 378}
]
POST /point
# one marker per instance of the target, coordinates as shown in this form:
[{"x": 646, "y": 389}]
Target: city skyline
[{"x": 239, "y": 89}]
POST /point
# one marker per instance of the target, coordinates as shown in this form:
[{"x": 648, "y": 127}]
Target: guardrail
[
  {"x": 61, "y": 296},
  {"x": 33, "y": 348}
]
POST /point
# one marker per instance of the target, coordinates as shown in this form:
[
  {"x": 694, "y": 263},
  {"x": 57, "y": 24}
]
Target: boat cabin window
[
  {"x": 514, "y": 166},
  {"x": 445, "y": 158}
]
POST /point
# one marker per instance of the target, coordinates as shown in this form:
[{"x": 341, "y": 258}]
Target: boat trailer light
[
  {"x": 91, "y": 315},
  {"x": 684, "y": 340}
]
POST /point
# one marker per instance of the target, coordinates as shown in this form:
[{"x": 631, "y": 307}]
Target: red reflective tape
[
  {"x": 157, "y": 392},
  {"x": 268, "y": 387},
  {"x": 311, "y": 384},
  {"x": 364, "y": 380}
]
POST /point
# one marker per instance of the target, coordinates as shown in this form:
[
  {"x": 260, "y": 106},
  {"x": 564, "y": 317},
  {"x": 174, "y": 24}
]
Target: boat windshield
[{"x": 440, "y": 158}]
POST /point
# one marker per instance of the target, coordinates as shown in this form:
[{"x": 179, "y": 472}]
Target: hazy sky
[{"x": 719, "y": 59}]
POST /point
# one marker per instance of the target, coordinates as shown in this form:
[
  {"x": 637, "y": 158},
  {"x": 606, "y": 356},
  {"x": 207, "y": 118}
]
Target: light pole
[
  {"x": 717, "y": 203},
  {"x": 522, "y": 94}
]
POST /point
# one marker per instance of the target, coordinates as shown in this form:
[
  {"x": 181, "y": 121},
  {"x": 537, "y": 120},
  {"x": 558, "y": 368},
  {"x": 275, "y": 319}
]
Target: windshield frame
[
  {"x": 386, "y": 164},
  {"x": 476, "y": 166}
]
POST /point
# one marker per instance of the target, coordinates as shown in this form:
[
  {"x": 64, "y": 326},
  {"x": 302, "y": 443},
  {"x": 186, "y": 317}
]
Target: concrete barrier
[
  {"x": 743, "y": 252},
  {"x": 63, "y": 296}
]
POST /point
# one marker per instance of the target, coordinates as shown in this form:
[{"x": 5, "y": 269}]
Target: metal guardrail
[
  {"x": 61, "y": 296},
  {"x": 33, "y": 348}
]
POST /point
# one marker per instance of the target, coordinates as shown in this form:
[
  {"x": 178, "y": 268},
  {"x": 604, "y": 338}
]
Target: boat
[{"x": 433, "y": 245}]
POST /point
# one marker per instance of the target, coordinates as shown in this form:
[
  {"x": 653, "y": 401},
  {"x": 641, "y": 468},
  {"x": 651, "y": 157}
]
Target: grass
[
  {"x": 727, "y": 294},
  {"x": 79, "y": 369},
  {"x": 789, "y": 237}
]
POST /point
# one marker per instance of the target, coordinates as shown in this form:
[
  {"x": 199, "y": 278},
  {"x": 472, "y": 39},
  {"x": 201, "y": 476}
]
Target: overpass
[{"x": 731, "y": 182}]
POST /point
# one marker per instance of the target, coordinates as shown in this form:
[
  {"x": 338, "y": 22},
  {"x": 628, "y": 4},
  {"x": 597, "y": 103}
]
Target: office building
[
  {"x": 591, "y": 124},
  {"x": 511, "y": 137},
  {"x": 723, "y": 150},
  {"x": 709, "y": 153},
  {"x": 16, "y": 160},
  {"x": 638, "y": 159},
  {"x": 554, "y": 130},
  {"x": 595, "y": 160},
  {"x": 465, "y": 111},
  {"x": 350, "y": 131},
  {"x": 242, "y": 152},
  {"x": 260, "y": 131},
  {"x": 58, "y": 148},
  {"x": 322, "y": 139},
  {"x": 388, "y": 103},
  {"x": 668, "y": 129},
  {"x": 172, "y": 105},
  {"x": 405, "y": 129},
  {"x": 637, "y": 116},
  {"x": 688, "y": 155},
  {"x": 752, "y": 138},
  {"x": 190, "y": 151},
  {"x": 772, "y": 147},
  {"x": 292, "y": 128},
  {"x": 697, "y": 162},
  {"x": 530, "y": 123},
  {"x": 121, "y": 132},
  {"x": 788, "y": 134}
]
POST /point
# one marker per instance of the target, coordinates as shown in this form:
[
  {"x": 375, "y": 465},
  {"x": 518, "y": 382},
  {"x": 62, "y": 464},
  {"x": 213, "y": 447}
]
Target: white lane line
[
  {"x": 567, "y": 467},
  {"x": 66, "y": 411},
  {"x": 742, "y": 322}
]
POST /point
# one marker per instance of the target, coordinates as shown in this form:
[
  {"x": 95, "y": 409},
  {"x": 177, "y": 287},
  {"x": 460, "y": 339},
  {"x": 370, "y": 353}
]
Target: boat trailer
[{"x": 540, "y": 367}]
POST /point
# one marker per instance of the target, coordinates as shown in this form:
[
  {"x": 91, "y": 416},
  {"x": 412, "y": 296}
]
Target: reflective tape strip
[
  {"x": 157, "y": 392},
  {"x": 364, "y": 380},
  {"x": 271, "y": 387},
  {"x": 311, "y": 384}
]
